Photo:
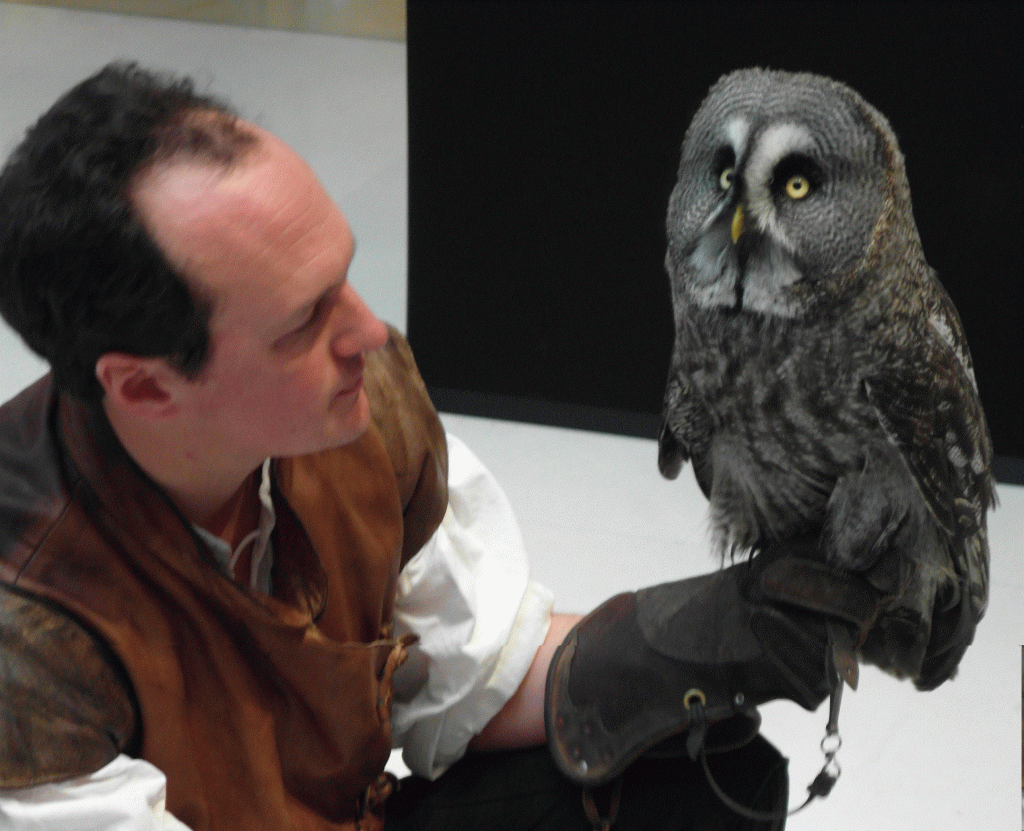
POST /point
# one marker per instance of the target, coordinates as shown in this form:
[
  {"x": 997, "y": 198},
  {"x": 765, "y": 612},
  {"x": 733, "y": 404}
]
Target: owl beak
[{"x": 737, "y": 224}]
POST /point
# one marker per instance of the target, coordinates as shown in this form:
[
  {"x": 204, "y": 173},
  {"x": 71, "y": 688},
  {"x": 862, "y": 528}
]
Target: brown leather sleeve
[
  {"x": 414, "y": 438},
  {"x": 66, "y": 708}
]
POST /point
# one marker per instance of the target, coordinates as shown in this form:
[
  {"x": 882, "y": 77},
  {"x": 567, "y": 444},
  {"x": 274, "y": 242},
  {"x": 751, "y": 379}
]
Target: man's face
[{"x": 288, "y": 332}]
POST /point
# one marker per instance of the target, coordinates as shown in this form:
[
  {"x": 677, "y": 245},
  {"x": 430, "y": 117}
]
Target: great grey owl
[{"x": 820, "y": 380}]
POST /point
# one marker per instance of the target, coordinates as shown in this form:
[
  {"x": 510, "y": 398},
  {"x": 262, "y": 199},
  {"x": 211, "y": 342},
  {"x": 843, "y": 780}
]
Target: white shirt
[{"x": 468, "y": 595}]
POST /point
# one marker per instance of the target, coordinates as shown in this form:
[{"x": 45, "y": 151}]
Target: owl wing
[
  {"x": 930, "y": 410},
  {"x": 673, "y": 451},
  {"x": 685, "y": 432}
]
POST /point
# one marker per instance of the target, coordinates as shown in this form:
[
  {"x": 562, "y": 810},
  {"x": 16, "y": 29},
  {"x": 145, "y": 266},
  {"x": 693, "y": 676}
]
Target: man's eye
[
  {"x": 303, "y": 330},
  {"x": 318, "y": 313},
  {"x": 308, "y": 323}
]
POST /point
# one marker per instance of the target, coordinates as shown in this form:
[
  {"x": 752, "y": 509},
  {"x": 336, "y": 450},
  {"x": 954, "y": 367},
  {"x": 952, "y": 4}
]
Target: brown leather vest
[{"x": 263, "y": 712}]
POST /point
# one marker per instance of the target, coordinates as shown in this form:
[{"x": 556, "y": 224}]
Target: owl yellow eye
[
  {"x": 725, "y": 179},
  {"x": 797, "y": 187}
]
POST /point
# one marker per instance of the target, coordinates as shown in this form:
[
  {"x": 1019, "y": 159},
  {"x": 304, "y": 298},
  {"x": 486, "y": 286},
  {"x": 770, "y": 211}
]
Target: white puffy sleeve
[
  {"x": 468, "y": 595},
  {"x": 124, "y": 795}
]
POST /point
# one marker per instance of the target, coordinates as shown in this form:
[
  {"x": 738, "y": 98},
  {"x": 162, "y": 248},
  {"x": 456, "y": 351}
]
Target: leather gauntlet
[{"x": 633, "y": 673}]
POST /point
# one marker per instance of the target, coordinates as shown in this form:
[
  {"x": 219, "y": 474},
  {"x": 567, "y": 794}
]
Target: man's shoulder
[
  {"x": 66, "y": 707},
  {"x": 409, "y": 426},
  {"x": 32, "y": 487},
  {"x": 394, "y": 385},
  {"x": 24, "y": 419}
]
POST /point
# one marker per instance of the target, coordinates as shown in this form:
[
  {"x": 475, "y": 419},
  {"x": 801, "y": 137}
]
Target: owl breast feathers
[{"x": 820, "y": 381}]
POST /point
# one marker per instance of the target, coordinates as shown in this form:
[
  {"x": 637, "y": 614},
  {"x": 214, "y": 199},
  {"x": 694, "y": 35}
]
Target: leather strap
[
  {"x": 820, "y": 588},
  {"x": 598, "y": 822}
]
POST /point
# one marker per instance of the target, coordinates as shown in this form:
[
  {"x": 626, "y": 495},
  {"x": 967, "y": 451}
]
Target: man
[{"x": 230, "y": 511}]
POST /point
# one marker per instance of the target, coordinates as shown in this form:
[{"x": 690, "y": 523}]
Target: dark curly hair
[{"x": 79, "y": 274}]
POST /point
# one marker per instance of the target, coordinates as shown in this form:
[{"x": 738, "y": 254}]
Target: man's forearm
[{"x": 520, "y": 723}]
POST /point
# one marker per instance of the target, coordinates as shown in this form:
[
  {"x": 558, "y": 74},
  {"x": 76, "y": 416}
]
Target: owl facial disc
[
  {"x": 749, "y": 273},
  {"x": 751, "y": 267}
]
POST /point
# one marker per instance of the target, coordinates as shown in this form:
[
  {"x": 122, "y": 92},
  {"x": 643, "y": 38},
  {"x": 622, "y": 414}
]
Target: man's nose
[{"x": 360, "y": 329}]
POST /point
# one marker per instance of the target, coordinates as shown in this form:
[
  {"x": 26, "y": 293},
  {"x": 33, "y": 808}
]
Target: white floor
[{"x": 595, "y": 514}]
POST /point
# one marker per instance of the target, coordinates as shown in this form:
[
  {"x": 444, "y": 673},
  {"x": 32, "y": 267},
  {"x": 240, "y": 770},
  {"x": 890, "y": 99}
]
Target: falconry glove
[{"x": 646, "y": 669}]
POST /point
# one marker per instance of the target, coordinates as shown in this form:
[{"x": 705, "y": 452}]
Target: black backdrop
[{"x": 543, "y": 144}]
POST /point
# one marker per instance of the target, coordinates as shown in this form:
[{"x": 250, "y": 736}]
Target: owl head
[{"x": 788, "y": 185}]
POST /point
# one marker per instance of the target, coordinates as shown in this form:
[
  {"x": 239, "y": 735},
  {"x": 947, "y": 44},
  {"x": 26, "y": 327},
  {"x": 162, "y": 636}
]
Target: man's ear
[{"x": 145, "y": 387}]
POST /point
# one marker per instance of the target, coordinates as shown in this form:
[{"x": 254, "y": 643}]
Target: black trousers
[{"x": 522, "y": 789}]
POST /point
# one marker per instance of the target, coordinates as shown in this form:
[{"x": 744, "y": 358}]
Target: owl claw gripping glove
[{"x": 639, "y": 671}]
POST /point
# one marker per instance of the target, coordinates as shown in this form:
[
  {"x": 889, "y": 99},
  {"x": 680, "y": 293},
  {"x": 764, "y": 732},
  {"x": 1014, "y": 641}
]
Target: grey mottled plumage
[{"x": 820, "y": 380}]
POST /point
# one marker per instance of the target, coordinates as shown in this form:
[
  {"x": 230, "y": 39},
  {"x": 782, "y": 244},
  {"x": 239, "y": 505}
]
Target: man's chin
[{"x": 353, "y": 424}]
